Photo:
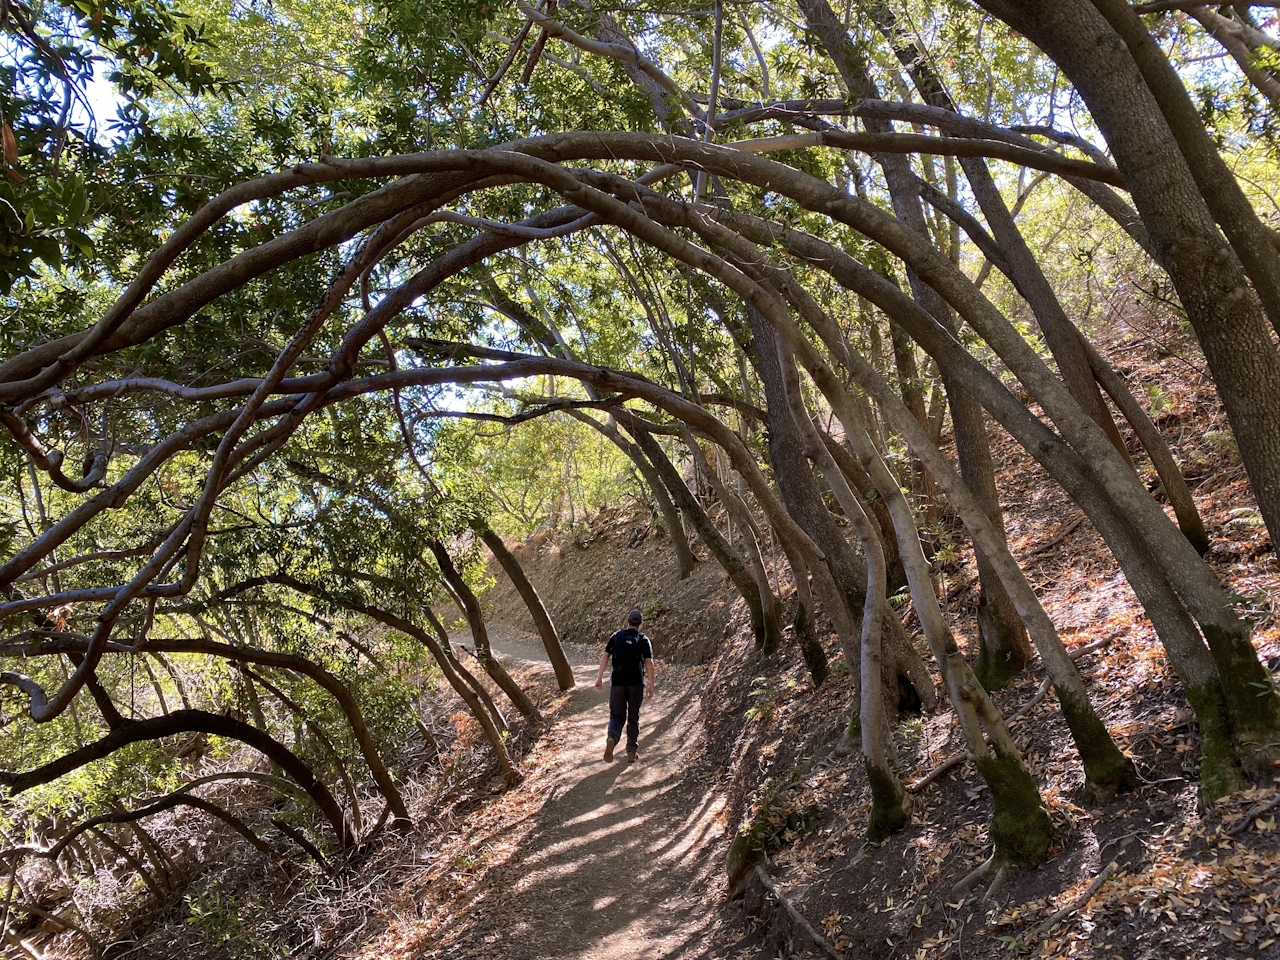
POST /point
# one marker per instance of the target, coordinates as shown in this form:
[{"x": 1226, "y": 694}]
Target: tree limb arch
[{"x": 189, "y": 721}]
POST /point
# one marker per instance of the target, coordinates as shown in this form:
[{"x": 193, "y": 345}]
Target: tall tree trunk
[
  {"x": 890, "y": 811},
  {"x": 804, "y": 501},
  {"x": 685, "y": 559},
  {"x": 853, "y": 472},
  {"x": 1005, "y": 651},
  {"x": 541, "y": 618},
  {"x": 770, "y": 606},
  {"x": 451, "y": 660}
]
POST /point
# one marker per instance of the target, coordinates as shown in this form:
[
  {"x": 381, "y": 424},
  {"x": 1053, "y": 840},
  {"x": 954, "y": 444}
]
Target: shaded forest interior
[{"x": 924, "y": 353}]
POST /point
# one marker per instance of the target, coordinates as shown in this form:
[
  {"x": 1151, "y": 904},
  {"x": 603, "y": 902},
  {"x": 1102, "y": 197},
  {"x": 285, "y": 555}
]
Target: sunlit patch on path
[{"x": 621, "y": 860}]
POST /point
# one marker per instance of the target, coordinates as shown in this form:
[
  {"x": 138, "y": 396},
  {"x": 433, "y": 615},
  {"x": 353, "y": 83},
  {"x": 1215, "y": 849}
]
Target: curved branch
[{"x": 188, "y": 721}]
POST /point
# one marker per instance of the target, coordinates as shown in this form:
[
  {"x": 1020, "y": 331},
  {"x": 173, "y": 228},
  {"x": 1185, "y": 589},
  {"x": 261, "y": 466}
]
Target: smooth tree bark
[
  {"x": 1107, "y": 769},
  {"x": 537, "y": 610},
  {"x": 469, "y": 604},
  {"x": 803, "y": 497},
  {"x": 770, "y": 605},
  {"x": 1004, "y": 650},
  {"x": 479, "y": 689}
]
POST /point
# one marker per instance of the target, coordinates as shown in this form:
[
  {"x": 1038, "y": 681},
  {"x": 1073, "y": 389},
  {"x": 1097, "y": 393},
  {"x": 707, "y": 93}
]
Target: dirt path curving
[{"x": 615, "y": 860}]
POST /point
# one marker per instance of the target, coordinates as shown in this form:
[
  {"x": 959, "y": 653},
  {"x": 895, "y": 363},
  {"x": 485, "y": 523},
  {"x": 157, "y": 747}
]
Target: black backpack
[{"x": 629, "y": 657}]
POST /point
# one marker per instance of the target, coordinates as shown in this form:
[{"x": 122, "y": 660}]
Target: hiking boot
[
  {"x": 632, "y": 755},
  {"x": 609, "y": 744}
]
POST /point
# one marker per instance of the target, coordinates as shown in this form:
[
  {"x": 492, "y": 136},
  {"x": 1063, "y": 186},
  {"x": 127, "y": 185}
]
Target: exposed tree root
[
  {"x": 1040, "y": 929},
  {"x": 975, "y": 876},
  {"x": 795, "y": 914}
]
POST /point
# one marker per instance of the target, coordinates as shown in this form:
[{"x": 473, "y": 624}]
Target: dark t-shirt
[{"x": 629, "y": 649}]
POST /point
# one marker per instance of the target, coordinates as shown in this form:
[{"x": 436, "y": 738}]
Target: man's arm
[
  {"x": 648, "y": 667},
  {"x": 604, "y": 662}
]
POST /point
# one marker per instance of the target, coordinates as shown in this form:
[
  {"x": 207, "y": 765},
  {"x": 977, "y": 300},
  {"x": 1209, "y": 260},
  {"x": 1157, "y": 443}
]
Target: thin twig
[
  {"x": 795, "y": 914},
  {"x": 1256, "y": 811},
  {"x": 1041, "y": 928}
]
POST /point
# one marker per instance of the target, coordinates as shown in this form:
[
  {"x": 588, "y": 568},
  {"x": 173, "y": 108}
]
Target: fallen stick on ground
[
  {"x": 1255, "y": 811},
  {"x": 949, "y": 764},
  {"x": 796, "y": 915},
  {"x": 1058, "y": 537},
  {"x": 1042, "y": 928}
]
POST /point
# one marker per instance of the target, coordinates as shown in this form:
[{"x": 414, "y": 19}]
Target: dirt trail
[{"x": 619, "y": 860}]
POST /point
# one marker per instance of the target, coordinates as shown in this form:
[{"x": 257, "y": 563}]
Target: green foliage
[{"x": 781, "y": 810}]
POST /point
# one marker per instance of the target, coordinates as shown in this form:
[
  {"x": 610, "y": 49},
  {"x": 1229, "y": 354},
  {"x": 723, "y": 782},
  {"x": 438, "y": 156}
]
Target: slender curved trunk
[
  {"x": 1175, "y": 484},
  {"x": 890, "y": 809},
  {"x": 767, "y": 634},
  {"x": 857, "y": 477},
  {"x": 541, "y": 618},
  {"x": 480, "y": 633},
  {"x": 1004, "y": 651},
  {"x": 685, "y": 559},
  {"x": 770, "y": 606},
  {"x": 802, "y": 623},
  {"x": 478, "y": 689},
  {"x": 803, "y": 498}
]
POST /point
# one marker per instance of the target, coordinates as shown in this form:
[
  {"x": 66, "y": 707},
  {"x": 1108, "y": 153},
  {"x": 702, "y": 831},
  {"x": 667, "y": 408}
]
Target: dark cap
[{"x": 634, "y": 618}]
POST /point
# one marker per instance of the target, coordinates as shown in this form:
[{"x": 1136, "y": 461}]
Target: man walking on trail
[{"x": 632, "y": 661}]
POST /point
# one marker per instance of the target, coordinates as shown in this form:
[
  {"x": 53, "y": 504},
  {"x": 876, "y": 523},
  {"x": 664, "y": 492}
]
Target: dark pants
[{"x": 624, "y": 705}]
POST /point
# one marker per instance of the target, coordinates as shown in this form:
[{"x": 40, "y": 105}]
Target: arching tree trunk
[
  {"x": 685, "y": 559},
  {"x": 770, "y": 606},
  {"x": 478, "y": 689},
  {"x": 480, "y": 632},
  {"x": 541, "y": 618},
  {"x": 890, "y": 810},
  {"x": 1005, "y": 651},
  {"x": 188, "y": 721}
]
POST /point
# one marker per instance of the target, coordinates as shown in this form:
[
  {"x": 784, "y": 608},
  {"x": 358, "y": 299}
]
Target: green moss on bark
[
  {"x": 889, "y": 810},
  {"x": 815, "y": 658},
  {"x": 1020, "y": 828},
  {"x": 1108, "y": 772},
  {"x": 1253, "y": 706},
  {"x": 742, "y": 857},
  {"x": 853, "y": 730},
  {"x": 994, "y": 672},
  {"x": 1219, "y": 765}
]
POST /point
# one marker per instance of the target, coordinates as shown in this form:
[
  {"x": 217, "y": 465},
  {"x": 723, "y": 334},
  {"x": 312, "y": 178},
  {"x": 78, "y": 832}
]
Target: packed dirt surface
[{"x": 586, "y": 858}]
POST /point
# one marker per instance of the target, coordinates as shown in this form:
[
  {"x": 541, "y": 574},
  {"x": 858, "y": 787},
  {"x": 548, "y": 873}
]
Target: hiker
[{"x": 632, "y": 660}]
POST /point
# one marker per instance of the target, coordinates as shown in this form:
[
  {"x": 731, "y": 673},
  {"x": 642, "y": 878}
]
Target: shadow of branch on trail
[{"x": 615, "y": 866}]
